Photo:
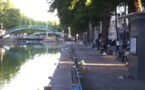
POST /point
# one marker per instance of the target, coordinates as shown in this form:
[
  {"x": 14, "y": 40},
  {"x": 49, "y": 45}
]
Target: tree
[
  {"x": 10, "y": 16},
  {"x": 143, "y": 2},
  {"x": 76, "y": 18},
  {"x": 78, "y": 13},
  {"x": 85, "y": 12},
  {"x": 104, "y": 9}
]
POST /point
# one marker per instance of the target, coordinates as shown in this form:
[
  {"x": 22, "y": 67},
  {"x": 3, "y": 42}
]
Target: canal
[{"x": 27, "y": 67}]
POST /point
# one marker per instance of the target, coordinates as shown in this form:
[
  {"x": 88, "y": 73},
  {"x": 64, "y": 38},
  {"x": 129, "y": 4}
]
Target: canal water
[{"x": 27, "y": 67}]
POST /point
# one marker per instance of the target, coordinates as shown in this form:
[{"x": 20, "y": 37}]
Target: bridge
[{"x": 30, "y": 27}]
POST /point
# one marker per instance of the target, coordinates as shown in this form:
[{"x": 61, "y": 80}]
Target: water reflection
[{"x": 27, "y": 67}]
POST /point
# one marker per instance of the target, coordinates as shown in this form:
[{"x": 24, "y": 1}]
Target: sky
[{"x": 35, "y": 9}]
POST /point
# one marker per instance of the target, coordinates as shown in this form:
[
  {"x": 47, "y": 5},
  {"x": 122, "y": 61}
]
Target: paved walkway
[{"x": 104, "y": 72}]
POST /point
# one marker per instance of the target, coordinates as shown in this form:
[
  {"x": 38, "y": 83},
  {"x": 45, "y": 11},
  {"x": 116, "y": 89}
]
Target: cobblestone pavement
[{"x": 104, "y": 72}]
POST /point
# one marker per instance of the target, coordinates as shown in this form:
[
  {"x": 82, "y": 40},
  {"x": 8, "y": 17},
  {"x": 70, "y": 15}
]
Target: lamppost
[
  {"x": 47, "y": 22},
  {"x": 46, "y": 29}
]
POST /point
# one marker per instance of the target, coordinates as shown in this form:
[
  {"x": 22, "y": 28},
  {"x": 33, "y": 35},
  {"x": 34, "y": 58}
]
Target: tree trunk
[
  {"x": 138, "y": 5},
  {"x": 116, "y": 24},
  {"x": 134, "y": 6},
  {"x": 105, "y": 28},
  {"x": 88, "y": 35},
  {"x": 90, "y": 32}
]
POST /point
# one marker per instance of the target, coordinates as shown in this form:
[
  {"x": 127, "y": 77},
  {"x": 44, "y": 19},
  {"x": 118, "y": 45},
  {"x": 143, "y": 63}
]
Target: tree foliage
[
  {"x": 78, "y": 13},
  {"x": 76, "y": 18},
  {"x": 143, "y": 2}
]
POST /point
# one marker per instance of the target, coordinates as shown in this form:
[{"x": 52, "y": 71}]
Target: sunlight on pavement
[{"x": 103, "y": 64}]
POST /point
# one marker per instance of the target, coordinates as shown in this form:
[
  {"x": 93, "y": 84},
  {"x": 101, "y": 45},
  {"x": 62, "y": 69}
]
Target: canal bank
[
  {"x": 19, "y": 41},
  {"x": 8, "y": 41},
  {"x": 102, "y": 72}
]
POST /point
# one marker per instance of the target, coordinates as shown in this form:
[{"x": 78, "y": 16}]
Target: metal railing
[{"x": 33, "y": 27}]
